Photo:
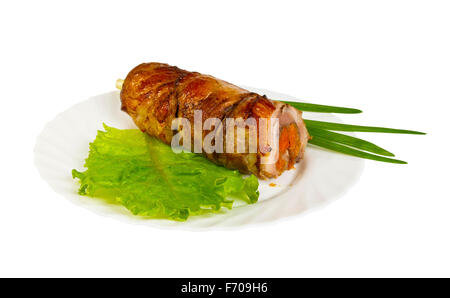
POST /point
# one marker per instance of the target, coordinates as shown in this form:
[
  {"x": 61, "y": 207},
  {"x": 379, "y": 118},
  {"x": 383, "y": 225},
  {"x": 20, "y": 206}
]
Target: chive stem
[
  {"x": 348, "y": 140},
  {"x": 310, "y": 107},
  {"x": 347, "y": 127},
  {"x": 324, "y": 143}
]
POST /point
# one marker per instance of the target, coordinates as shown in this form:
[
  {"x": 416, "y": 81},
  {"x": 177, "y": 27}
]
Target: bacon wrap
[{"x": 154, "y": 94}]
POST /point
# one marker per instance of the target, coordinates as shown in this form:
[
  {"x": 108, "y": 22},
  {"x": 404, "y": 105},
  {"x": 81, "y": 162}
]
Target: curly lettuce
[{"x": 144, "y": 175}]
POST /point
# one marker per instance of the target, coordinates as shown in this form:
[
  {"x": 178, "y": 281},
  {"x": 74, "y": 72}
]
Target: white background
[{"x": 389, "y": 58}]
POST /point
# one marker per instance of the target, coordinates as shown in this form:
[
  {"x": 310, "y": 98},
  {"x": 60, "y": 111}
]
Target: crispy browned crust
[{"x": 154, "y": 94}]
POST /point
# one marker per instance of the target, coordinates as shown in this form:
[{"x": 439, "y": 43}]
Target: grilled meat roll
[{"x": 154, "y": 94}]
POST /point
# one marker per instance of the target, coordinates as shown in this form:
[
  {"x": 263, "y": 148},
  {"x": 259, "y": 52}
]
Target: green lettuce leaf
[{"x": 144, "y": 175}]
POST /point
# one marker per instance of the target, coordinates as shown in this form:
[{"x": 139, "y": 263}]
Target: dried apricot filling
[{"x": 289, "y": 141}]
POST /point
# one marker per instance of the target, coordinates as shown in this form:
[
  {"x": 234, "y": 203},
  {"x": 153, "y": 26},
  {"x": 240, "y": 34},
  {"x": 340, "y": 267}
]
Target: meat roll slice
[{"x": 154, "y": 94}]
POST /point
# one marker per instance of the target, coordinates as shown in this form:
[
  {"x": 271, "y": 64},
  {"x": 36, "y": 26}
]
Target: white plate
[{"x": 64, "y": 143}]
